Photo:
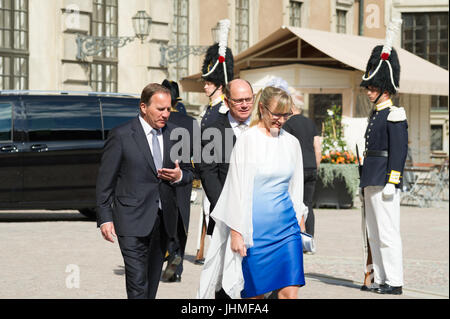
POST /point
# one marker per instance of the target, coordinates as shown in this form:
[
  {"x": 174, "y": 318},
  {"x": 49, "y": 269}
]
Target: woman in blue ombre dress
[{"x": 256, "y": 247}]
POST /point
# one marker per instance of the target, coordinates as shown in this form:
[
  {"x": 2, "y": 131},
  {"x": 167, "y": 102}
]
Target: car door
[
  {"x": 64, "y": 144},
  {"x": 11, "y": 145},
  {"x": 116, "y": 111}
]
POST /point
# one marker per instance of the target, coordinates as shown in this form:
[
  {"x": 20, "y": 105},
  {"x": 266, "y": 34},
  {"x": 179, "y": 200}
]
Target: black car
[{"x": 51, "y": 146}]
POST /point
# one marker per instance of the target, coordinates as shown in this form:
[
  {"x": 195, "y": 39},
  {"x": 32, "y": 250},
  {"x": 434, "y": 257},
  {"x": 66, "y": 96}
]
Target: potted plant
[{"x": 338, "y": 178}]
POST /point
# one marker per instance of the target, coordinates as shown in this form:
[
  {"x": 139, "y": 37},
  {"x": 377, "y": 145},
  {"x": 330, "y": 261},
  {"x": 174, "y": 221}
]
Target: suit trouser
[
  {"x": 309, "y": 185},
  {"x": 383, "y": 230},
  {"x": 181, "y": 244},
  {"x": 143, "y": 258}
]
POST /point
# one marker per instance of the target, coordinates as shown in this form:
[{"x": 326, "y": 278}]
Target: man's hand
[
  {"x": 108, "y": 231},
  {"x": 388, "y": 191},
  {"x": 237, "y": 243},
  {"x": 170, "y": 174}
]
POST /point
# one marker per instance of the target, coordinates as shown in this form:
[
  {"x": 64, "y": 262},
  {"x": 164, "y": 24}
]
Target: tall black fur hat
[
  {"x": 174, "y": 90},
  {"x": 219, "y": 62},
  {"x": 218, "y": 75},
  {"x": 383, "y": 68},
  {"x": 382, "y": 77}
]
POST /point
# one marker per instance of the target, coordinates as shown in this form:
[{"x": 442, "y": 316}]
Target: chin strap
[
  {"x": 378, "y": 97},
  {"x": 217, "y": 87}
]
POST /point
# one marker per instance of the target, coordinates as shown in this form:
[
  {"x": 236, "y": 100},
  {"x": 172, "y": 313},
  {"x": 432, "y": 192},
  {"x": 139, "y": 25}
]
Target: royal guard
[
  {"x": 386, "y": 146},
  {"x": 217, "y": 71}
]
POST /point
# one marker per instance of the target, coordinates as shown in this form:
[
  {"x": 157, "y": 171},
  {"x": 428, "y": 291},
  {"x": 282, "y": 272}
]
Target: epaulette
[
  {"x": 396, "y": 114},
  {"x": 223, "y": 108}
]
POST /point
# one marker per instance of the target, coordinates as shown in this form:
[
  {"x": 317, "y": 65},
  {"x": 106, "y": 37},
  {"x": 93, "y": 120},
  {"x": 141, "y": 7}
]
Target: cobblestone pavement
[{"x": 62, "y": 255}]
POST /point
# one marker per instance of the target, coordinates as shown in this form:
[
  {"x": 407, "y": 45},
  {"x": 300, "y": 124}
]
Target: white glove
[{"x": 388, "y": 191}]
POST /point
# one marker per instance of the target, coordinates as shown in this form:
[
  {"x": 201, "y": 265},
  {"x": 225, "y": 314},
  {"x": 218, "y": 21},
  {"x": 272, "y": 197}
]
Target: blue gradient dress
[{"x": 276, "y": 258}]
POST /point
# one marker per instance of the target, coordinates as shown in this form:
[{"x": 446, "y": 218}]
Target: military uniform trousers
[{"x": 383, "y": 230}]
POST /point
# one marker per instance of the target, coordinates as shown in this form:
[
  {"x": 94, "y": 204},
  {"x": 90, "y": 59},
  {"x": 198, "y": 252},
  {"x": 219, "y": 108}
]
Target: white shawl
[{"x": 223, "y": 267}]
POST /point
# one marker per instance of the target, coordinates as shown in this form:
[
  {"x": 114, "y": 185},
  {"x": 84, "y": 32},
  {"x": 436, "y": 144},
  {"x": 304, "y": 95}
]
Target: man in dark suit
[
  {"x": 224, "y": 132},
  {"x": 136, "y": 191},
  {"x": 186, "y": 125},
  {"x": 214, "y": 167}
]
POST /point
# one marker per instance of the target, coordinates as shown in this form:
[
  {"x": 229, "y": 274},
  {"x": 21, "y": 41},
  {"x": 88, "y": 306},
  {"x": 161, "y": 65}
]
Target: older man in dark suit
[
  {"x": 136, "y": 191},
  {"x": 223, "y": 133},
  {"x": 218, "y": 140}
]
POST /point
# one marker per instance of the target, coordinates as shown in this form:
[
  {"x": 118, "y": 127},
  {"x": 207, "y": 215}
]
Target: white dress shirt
[
  {"x": 235, "y": 125},
  {"x": 148, "y": 133}
]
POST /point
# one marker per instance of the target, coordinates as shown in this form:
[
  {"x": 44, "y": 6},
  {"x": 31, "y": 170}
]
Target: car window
[
  {"x": 63, "y": 118},
  {"x": 5, "y": 122},
  {"x": 117, "y": 111}
]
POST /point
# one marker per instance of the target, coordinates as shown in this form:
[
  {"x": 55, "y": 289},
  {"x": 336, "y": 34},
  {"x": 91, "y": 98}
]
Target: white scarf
[{"x": 223, "y": 267}]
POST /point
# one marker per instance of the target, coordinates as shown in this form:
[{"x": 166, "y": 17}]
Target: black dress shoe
[
  {"x": 369, "y": 288},
  {"x": 175, "y": 278},
  {"x": 199, "y": 261},
  {"x": 389, "y": 290},
  {"x": 172, "y": 264}
]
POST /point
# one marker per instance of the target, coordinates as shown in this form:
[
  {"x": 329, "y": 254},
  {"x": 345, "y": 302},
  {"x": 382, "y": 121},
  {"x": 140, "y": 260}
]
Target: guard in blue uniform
[
  {"x": 217, "y": 71},
  {"x": 216, "y": 75},
  {"x": 386, "y": 147}
]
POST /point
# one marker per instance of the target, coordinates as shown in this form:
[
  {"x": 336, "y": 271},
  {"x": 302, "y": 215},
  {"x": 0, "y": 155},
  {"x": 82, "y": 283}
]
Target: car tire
[{"x": 88, "y": 212}]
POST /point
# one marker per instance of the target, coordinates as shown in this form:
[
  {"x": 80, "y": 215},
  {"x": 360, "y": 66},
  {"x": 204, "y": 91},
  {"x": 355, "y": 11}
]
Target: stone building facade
[{"x": 39, "y": 49}]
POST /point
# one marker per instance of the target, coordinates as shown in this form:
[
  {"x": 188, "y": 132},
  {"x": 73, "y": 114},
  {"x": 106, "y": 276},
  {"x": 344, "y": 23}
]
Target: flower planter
[{"x": 336, "y": 186}]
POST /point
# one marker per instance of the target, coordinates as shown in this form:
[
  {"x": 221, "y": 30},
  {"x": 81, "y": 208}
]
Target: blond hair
[{"x": 264, "y": 97}]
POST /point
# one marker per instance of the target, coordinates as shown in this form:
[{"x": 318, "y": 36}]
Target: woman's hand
[
  {"x": 237, "y": 243},
  {"x": 302, "y": 225}
]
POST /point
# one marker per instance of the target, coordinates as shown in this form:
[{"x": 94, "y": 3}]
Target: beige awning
[{"x": 290, "y": 45}]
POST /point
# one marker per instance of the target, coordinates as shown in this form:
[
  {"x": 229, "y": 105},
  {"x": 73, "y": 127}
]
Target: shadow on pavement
[
  {"x": 119, "y": 271},
  {"x": 333, "y": 280},
  {"x": 41, "y": 216},
  {"x": 190, "y": 258}
]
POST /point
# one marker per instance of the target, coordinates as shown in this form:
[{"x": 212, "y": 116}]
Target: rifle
[{"x": 367, "y": 254}]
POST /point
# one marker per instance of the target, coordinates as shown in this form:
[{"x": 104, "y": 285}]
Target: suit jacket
[
  {"x": 214, "y": 168},
  {"x": 183, "y": 193},
  {"x": 128, "y": 187}
]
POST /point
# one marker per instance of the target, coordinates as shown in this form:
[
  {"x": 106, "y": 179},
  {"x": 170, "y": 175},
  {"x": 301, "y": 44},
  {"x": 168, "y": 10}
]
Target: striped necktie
[{"x": 242, "y": 127}]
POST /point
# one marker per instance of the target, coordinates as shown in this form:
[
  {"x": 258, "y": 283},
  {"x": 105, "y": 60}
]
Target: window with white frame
[
  {"x": 341, "y": 21},
  {"x": 426, "y": 35},
  {"x": 295, "y": 10},
  {"x": 437, "y": 138},
  {"x": 14, "y": 44},
  {"x": 180, "y": 37},
  {"x": 242, "y": 25},
  {"x": 104, "y": 76}
]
